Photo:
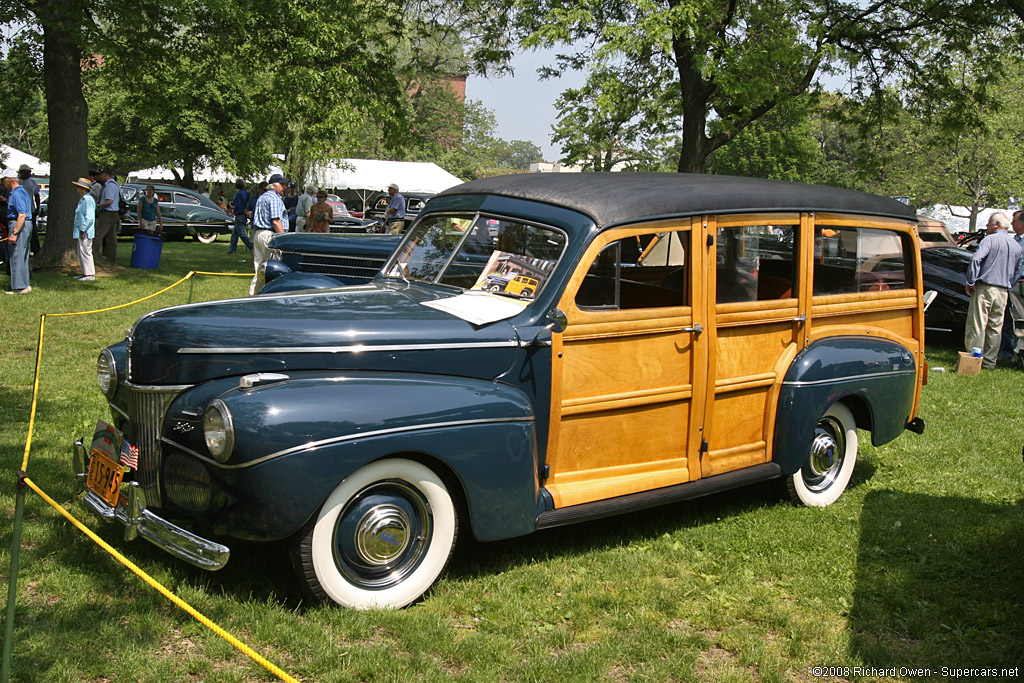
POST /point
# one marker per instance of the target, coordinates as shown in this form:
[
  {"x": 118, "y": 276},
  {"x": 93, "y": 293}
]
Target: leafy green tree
[
  {"x": 923, "y": 153},
  {"x": 23, "y": 108},
  {"x": 223, "y": 82},
  {"x": 66, "y": 32},
  {"x": 727, "y": 63},
  {"x": 779, "y": 145},
  {"x": 602, "y": 125},
  {"x": 517, "y": 155}
]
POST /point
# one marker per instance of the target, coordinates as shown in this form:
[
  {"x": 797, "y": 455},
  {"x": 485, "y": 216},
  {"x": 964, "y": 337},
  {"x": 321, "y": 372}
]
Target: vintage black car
[
  {"x": 671, "y": 349},
  {"x": 944, "y": 270},
  {"x": 185, "y": 213}
]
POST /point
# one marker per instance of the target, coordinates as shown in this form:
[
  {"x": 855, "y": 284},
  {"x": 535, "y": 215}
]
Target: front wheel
[
  {"x": 381, "y": 539},
  {"x": 830, "y": 461},
  {"x": 205, "y": 236}
]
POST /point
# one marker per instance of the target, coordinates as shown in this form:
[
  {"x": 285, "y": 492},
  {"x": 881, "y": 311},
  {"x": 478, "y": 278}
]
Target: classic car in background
[
  {"x": 414, "y": 203},
  {"x": 944, "y": 270},
  {"x": 185, "y": 213},
  {"x": 664, "y": 355},
  {"x": 319, "y": 261},
  {"x": 934, "y": 233}
]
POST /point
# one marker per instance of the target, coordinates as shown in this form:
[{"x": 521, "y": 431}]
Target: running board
[{"x": 648, "y": 499}]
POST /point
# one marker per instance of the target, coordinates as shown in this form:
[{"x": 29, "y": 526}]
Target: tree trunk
[{"x": 67, "y": 115}]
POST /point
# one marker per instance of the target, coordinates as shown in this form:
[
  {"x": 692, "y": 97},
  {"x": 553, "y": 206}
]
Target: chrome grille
[
  {"x": 146, "y": 409},
  {"x": 346, "y": 266}
]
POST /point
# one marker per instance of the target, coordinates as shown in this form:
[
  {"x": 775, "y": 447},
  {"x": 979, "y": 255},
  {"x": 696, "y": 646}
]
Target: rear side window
[
  {"x": 645, "y": 271},
  {"x": 851, "y": 259},
  {"x": 182, "y": 198},
  {"x": 755, "y": 263}
]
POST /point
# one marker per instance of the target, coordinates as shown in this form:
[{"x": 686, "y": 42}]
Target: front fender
[
  {"x": 296, "y": 440},
  {"x": 875, "y": 377}
]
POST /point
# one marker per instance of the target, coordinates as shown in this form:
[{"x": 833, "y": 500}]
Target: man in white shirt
[{"x": 306, "y": 202}]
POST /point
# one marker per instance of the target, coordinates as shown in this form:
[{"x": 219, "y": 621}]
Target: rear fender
[{"x": 876, "y": 378}]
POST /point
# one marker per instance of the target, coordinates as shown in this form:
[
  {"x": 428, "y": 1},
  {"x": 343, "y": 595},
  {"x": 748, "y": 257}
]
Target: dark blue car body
[{"x": 320, "y": 383}]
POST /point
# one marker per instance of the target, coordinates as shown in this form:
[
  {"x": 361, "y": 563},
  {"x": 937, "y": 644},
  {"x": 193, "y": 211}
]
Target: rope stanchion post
[
  {"x": 12, "y": 581},
  {"x": 191, "y": 287}
]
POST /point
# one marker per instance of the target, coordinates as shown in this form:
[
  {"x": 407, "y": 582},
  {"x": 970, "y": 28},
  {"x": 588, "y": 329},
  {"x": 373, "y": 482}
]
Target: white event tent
[
  {"x": 366, "y": 177},
  {"x": 13, "y": 158}
]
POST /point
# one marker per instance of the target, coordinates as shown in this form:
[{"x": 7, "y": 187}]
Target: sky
[{"x": 523, "y": 104}]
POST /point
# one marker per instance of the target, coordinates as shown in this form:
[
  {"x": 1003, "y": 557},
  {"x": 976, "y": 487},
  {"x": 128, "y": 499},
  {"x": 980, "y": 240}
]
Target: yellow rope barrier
[
  {"x": 35, "y": 394},
  {"x": 193, "y": 612},
  {"x": 130, "y": 303}
]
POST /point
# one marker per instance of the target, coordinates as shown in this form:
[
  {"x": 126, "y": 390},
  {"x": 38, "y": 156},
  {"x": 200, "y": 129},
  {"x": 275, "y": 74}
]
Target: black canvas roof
[{"x": 613, "y": 198}]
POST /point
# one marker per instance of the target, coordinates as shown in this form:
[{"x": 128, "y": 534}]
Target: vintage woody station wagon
[{"x": 684, "y": 335}]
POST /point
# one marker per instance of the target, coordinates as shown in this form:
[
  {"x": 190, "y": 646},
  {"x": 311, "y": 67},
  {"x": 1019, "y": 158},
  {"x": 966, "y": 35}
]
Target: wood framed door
[
  {"x": 757, "y": 305},
  {"x": 627, "y": 402}
]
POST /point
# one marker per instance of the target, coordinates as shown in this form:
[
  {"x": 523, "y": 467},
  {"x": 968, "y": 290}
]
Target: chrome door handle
[
  {"x": 802, "y": 318},
  {"x": 696, "y": 329}
]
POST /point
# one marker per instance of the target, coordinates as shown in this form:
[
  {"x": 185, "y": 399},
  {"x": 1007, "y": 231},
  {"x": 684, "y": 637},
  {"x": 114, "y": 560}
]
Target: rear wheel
[
  {"x": 830, "y": 461},
  {"x": 381, "y": 539},
  {"x": 205, "y": 236}
]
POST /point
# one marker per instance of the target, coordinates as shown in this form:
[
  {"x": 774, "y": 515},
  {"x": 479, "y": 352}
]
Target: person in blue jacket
[
  {"x": 19, "y": 220},
  {"x": 85, "y": 228}
]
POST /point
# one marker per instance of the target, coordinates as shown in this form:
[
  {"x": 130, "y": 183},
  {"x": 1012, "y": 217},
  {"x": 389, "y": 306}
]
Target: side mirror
[{"x": 557, "y": 320}]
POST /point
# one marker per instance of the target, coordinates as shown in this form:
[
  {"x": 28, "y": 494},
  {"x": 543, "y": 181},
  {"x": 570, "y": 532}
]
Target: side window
[
  {"x": 645, "y": 271},
  {"x": 182, "y": 198},
  {"x": 755, "y": 263},
  {"x": 163, "y": 197},
  {"x": 850, "y": 259}
]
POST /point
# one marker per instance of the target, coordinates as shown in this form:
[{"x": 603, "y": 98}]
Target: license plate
[{"x": 104, "y": 478}]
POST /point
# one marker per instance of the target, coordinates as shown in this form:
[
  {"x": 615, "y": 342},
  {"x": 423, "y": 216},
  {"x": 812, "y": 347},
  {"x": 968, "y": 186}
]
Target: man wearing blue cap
[{"x": 268, "y": 219}]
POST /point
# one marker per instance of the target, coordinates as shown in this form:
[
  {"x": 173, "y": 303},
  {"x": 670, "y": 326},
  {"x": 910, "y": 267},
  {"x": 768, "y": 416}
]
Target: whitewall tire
[
  {"x": 382, "y": 538},
  {"x": 831, "y": 458}
]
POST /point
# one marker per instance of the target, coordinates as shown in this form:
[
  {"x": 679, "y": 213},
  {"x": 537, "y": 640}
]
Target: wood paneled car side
[{"x": 668, "y": 336}]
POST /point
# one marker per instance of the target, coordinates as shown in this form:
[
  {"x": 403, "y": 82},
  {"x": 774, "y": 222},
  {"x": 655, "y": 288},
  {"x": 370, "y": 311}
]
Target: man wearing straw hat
[{"x": 85, "y": 228}]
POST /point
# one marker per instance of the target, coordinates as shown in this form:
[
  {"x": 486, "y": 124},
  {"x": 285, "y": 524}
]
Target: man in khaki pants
[
  {"x": 108, "y": 218},
  {"x": 1016, "y": 296},
  {"x": 995, "y": 268}
]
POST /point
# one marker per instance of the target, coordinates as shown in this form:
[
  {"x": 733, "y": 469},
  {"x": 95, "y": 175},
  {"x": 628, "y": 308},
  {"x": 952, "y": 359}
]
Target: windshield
[{"x": 501, "y": 256}]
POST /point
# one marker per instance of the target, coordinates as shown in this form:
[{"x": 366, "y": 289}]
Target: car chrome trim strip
[
  {"x": 341, "y": 439},
  {"x": 833, "y": 380},
  {"x": 353, "y": 348}
]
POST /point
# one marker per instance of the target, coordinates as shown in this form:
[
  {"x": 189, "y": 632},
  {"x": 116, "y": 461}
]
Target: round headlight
[
  {"x": 106, "y": 372},
  {"x": 218, "y": 430}
]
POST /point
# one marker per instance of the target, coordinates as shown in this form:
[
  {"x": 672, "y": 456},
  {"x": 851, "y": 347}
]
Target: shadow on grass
[{"x": 939, "y": 582}]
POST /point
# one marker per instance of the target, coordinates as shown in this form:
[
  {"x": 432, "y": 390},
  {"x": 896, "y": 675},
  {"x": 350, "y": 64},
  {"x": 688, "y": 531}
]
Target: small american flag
[{"x": 129, "y": 455}]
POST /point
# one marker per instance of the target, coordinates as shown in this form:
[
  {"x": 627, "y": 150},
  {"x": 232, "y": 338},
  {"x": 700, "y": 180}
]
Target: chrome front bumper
[{"x": 138, "y": 521}]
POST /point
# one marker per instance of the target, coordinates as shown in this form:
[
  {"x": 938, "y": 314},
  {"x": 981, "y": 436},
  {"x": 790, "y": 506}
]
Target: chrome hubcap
[
  {"x": 382, "y": 534},
  {"x": 828, "y": 449}
]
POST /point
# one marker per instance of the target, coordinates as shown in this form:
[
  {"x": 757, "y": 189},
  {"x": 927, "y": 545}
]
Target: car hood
[
  {"x": 376, "y": 326},
  {"x": 331, "y": 244}
]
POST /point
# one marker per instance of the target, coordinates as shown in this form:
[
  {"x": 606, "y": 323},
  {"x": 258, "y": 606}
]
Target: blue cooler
[{"x": 146, "y": 251}]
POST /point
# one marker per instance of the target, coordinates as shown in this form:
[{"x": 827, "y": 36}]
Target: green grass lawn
[{"x": 918, "y": 565}]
